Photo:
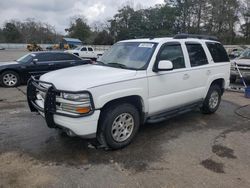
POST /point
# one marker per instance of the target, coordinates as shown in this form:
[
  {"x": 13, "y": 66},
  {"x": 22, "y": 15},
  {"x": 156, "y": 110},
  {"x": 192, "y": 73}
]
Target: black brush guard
[{"x": 49, "y": 102}]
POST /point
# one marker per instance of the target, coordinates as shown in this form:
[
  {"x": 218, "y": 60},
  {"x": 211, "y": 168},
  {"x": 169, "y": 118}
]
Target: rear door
[
  {"x": 91, "y": 53},
  {"x": 199, "y": 69},
  {"x": 64, "y": 60}
]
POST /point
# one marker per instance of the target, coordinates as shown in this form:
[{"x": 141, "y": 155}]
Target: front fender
[{"x": 103, "y": 95}]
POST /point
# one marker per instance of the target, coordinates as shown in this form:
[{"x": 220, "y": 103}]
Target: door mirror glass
[
  {"x": 165, "y": 65},
  {"x": 34, "y": 61}
]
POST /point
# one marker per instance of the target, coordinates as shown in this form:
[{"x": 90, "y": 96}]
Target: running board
[{"x": 173, "y": 112}]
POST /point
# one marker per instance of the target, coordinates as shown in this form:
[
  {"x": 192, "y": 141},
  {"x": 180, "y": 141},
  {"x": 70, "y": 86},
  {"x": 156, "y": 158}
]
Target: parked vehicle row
[
  {"x": 243, "y": 62},
  {"x": 136, "y": 81},
  {"x": 86, "y": 52},
  {"x": 19, "y": 71}
]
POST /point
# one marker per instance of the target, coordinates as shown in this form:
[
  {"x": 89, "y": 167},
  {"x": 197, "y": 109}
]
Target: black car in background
[{"x": 19, "y": 71}]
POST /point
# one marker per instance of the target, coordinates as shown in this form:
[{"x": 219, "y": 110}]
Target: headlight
[
  {"x": 233, "y": 65},
  {"x": 76, "y": 97},
  {"x": 78, "y": 104}
]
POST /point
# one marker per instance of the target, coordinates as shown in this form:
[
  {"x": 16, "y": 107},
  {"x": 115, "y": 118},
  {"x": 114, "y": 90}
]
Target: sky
[{"x": 59, "y": 12}]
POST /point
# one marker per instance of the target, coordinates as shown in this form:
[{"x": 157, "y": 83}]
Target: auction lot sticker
[{"x": 146, "y": 45}]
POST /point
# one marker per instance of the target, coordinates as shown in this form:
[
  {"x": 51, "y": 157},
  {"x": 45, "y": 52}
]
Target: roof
[
  {"x": 48, "y": 52},
  {"x": 165, "y": 39},
  {"x": 72, "y": 40}
]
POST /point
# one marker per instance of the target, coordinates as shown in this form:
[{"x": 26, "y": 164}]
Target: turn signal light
[{"x": 83, "y": 110}]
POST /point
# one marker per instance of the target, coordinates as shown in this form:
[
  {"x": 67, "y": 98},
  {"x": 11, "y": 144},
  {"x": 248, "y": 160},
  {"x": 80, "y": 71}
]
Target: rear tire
[
  {"x": 9, "y": 79},
  {"x": 212, "y": 100},
  {"x": 118, "y": 125}
]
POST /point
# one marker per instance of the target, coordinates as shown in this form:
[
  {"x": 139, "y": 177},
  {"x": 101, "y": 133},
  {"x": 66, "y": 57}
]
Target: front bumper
[
  {"x": 84, "y": 125},
  {"x": 245, "y": 73}
]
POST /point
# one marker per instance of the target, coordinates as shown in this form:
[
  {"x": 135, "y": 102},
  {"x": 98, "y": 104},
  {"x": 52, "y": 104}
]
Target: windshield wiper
[
  {"x": 99, "y": 63},
  {"x": 118, "y": 65}
]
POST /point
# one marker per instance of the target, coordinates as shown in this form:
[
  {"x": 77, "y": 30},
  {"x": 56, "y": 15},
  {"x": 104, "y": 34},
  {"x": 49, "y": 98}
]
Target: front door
[
  {"x": 43, "y": 64},
  {"x": 170, "y": 89}
]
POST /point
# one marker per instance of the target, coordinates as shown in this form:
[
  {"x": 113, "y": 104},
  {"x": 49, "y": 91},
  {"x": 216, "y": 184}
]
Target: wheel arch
[
  {"x": 134, "y": 100},
  {"x": 220, "y": 82},
  {"x": 9, "y": 69},
  {"x": 13, "y": 70}
]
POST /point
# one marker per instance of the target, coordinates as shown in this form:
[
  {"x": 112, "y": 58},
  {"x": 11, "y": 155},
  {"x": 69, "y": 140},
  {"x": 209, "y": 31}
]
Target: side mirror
[
  {"x": 34, "y": 61},
  {"x": 165, "y": 65}
]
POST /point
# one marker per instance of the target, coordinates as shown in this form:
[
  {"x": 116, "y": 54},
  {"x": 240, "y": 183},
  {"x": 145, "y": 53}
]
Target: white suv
[{"x": 136, "y": 81}]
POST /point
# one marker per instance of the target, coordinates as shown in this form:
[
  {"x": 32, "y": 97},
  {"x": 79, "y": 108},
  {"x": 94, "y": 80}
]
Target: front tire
[
  {"x": 118, "y": 125},
  {"x": 9, "y": 79},
  {"x": 212, "y": 100}
]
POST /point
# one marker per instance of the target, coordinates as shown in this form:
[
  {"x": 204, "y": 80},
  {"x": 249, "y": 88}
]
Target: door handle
[
  {"x": 186, "y": 76},
  {"x": 50, "y": 64},
  {"x": 208, "y": 72}
]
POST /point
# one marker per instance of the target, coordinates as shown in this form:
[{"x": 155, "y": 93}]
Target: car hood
[
  {"x": 71, "y": 51},
  {"x": 86, "y": 76},
  {"x": 8, "y": 63},
  {"x": 242, "y": 61}
]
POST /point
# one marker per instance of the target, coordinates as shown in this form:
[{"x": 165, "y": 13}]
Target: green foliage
[
  {"x": 11, "y": 33},
  {"x": 211, "y": 17},
  {"x": 103, "y": 38},
  {"x": 79, "y": 29},
  {"x": 27, "y": 32},
  {"x": 227, "y": 19},
  {"x": 152, "y": 22}
]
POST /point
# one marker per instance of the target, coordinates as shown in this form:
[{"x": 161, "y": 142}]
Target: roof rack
[{"x": 194, "y": 36}]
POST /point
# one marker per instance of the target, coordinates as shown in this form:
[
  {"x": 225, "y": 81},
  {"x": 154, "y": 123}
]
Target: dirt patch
[
  {"x": 213, "y": 166},
  {"x": 18, "y": 170},
  {"x": 223, "y": 151},
  {"x": 243, "y": 111}
]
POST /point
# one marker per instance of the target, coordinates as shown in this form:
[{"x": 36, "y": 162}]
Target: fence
[
  {"x": 96, "y": 47},
  {"x": 44, "y": 46}
]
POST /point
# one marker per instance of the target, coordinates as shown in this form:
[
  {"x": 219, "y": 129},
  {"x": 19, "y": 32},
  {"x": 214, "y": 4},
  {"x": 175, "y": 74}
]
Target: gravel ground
[
  {"x": 10, "y": 55},
  {"x": 192, "y": 150}
]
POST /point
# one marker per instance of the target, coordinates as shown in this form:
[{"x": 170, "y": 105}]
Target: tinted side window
[
  {"x": 218, "y": 52},
  {"x": 45, "y": 57},
  {"x": 59, "y": 57},
  {"x": 63, "y": 57},
  {"x": 73, "y": 57},
  {"x": 197, "y": 54},
  {"x": 84, "y": 49},
  {"x": 173, "y": 53},
  {"x": 90, "y": 49}
]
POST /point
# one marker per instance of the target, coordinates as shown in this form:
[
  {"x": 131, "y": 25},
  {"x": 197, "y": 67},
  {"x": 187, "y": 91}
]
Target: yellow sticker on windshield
[{"x": 146, "y": 45}]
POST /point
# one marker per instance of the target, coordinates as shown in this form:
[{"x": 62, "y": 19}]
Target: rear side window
[
  {"x": 65, "y": 57},
  {"x": 90, "y": 49},
  {"x": 173, "y": 53},
  {"x": 74, "y": 57},
  {"x": 217, "y": 52},
  {"x": 60, "y": 57},
  {"x": 45, "y": 57},
  {"x": 197, "y": 54}
]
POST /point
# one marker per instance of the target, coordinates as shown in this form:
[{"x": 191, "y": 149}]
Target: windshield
[
  {"x": 26, "y": 58},
  {"x": 129, "y": 55},
  {"x": 78, "y": 48},
  {"x": 245, "y": 54}
]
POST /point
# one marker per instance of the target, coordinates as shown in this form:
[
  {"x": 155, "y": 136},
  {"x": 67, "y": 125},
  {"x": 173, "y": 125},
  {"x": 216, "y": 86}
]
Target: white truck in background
[{"x": 86, "y": 52}]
